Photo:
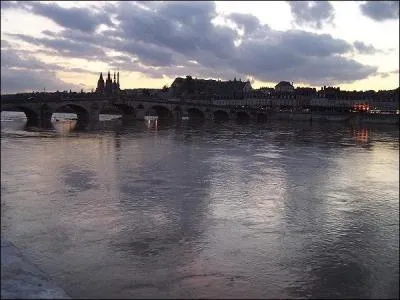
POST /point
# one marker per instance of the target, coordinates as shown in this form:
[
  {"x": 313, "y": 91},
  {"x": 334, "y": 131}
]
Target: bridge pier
[
  {"x": 44, "y": 120},
  {"x": 140, "y": 113},
  {"x": 88, "y": 120},
  {"x": 129, "y": 117},
  {"x": 177, "y": 115},
  {"x": 209, "y": 115},
  {"x": 253, "y": 117}
]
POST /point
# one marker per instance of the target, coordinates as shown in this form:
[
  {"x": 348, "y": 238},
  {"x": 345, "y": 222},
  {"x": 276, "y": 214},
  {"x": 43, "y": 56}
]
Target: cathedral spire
[{"x": 118, "y": 78}]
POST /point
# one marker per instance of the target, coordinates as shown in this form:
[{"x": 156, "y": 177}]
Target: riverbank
[{"x": 21, "y": 279}]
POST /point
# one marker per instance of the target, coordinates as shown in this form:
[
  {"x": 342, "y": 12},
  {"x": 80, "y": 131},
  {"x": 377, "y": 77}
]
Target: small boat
[{"x": 185, "y": 117}]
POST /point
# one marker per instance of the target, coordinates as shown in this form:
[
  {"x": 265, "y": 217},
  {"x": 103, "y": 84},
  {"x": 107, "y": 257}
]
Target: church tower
[
  {"x": 108, "y": 88},
  {"x": 100, "y": 84},
  {"x": 114, "y": 86}
]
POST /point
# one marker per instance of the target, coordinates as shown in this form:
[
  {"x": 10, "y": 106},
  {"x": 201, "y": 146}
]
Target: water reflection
[
  {"x": 152, "y": 123},
  {"x": 191, "y": 210},
  {"x": 360, "y": 135}
]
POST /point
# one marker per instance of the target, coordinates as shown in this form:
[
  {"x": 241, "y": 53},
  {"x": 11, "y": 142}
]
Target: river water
[{"x": 276, "y": 210}]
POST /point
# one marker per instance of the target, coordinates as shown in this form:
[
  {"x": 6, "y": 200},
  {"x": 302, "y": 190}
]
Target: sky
[{"x": 50, "y": 45}]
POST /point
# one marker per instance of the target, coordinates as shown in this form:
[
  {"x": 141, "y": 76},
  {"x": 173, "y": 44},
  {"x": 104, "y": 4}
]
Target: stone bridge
[{"x": 39, "y": 110}]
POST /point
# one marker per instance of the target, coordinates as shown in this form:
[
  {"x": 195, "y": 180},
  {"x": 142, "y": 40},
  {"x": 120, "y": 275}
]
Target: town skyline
[{"x": 63, "y": 45}]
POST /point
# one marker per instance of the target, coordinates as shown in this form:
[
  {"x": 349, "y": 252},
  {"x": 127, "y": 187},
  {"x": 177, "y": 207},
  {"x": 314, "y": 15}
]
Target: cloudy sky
[{"x": 65, "y": 45}]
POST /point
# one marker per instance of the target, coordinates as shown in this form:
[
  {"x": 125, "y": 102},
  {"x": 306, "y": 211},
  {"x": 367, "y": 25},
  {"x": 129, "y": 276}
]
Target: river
[{"x": 276, "y": 210}]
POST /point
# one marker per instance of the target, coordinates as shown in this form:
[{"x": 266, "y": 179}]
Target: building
[
  {"x": 329, "y": 92},
  {"x": 100, "y": 84},
  {"x": 284, "y": 86},
  {"x": 109, "y": 87},
  {"x": 306, "y": 91},
  {"x": 195, "y": 88}
]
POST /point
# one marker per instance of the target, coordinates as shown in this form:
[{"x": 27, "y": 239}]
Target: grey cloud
[
  {"x": 21, "y": 71},
  {"x": 15, "y": 80},
  {"x": 149, "y": 54},
  {"x": 263, "y": 55},
  {"x": 122, "y": 58},
  {"x": 64, "y": 47},
  {"x": 330, "y": 71},
  {"x": 84, "y": 19},
  {"x": 248, "y": 23},
  {"x": 363, "y": 48},
  {"x": 5, "y": 44},
  {"x": 312, "y": 13},
  {"x": 80, "y": 38},
  {"x": 50, "y": 33},
  {"x": 9, "y": 4},
  {"x": 184, "y": 27},
  {"x": 311, "y": 44},
  {"x": 156, "y": 39},
  {"x": 11, "y": 58},
  {"x": 24, "y": 59},
  {"x": 386, "y": 74},
  {"x": 381, "y": 10}
]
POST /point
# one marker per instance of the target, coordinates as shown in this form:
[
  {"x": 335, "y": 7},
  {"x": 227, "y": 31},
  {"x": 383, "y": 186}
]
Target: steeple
[
  {"x": 100, "y": 84},
  {"x": 114, "y": 77},
  {"x": 118, "y": 78},
  {"x": 109, "y": 76}
]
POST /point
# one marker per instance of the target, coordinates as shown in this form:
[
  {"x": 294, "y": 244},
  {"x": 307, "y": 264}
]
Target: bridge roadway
[{"x": 39, "y": 108}]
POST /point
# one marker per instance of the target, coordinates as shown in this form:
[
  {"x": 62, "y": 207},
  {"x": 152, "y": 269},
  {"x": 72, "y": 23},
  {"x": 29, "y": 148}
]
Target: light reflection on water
[{"x": 265, "y": 211}]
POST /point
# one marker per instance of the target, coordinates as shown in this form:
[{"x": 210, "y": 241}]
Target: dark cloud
[
  {"x": 312, "y": 13},
  {"x": 149, "y": 54},
  {"x": 247, "y": 23},
  {"x": 9, "y": 4},
  {"x": 21, "y": 71},
  {"x": 5, "y": 44},
  {"x": 386, "y": 74},
  {"x": 11, "y": 58},
  {"x": 364, "y": 48},
  {"x": 164, "y": 38},
  {"x": 183, "y": 27},
  {"x": 381, "y": 10},
  {"x": 84, "y": 19},
  {"x": 50, "y": 33},
  {"x": 311, "y": 44},
  {"x": 25, "y": 60},
  {"x": 16, "y": 80},
  {"x": 63, "y": 47}
]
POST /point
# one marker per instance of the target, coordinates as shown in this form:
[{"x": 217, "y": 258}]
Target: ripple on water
[{"x": 265, "y": 211}]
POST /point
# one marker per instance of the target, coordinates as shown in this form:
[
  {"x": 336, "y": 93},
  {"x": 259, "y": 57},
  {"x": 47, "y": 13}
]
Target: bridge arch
[
  {"x": 242, "y": 116},
  {"x": 32, "y": 117},
  {"x": 83, "y": 115},
  {"x": 221, "y": 115},
  {"x": 196, "y": 114},
  {"x": 162, "y": 112},
  {"x": 127, "y": 111},
  {"x": 46, "y": 112},
  {"x": 262, "y": 117}
]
